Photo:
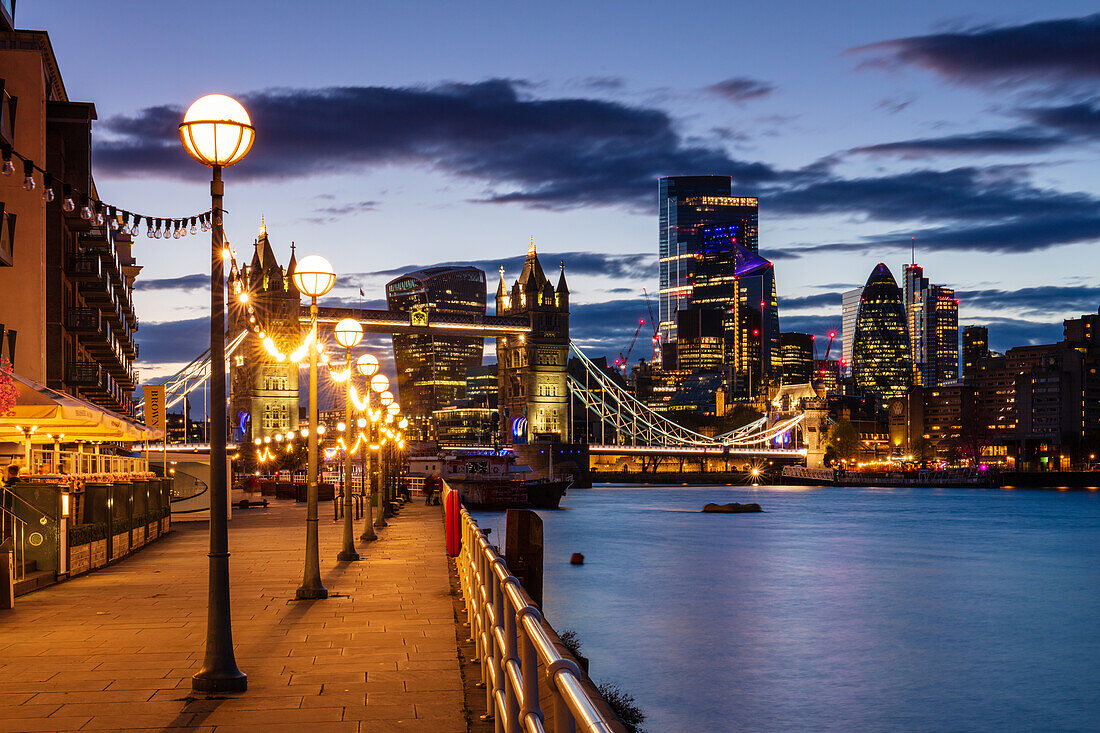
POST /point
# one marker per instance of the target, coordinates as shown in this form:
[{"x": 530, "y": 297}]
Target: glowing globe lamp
[
  {"x": 379, "y": 383},
  {"x": 217, "y": 131},
  {"x": 386, "y": 398},
  {"x": 367, "y": 365},
  {"x": 348, "y": 333},
  {"x": 314, "y": 276}
]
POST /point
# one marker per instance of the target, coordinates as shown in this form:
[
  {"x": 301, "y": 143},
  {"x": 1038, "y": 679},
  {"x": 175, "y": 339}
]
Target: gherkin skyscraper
[{"x": 881, "y": 361}]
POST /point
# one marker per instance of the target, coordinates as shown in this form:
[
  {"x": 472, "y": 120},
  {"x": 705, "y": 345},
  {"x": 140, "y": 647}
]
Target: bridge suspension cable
[
  {"x": 192, "y": 376},
  {"x": 638, "y": 424}
]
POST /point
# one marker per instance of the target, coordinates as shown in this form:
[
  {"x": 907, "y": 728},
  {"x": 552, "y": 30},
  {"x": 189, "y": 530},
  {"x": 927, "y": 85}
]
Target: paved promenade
[{"x": 115, "y": 649}]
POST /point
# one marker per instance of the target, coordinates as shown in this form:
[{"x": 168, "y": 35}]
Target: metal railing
[
  {"x": 511, "y": 643},
  {"x": 15, "y": 528}
]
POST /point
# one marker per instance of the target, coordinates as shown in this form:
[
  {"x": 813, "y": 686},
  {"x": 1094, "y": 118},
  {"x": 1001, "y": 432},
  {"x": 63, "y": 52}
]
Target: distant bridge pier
[{"x": 815, "y": 433}]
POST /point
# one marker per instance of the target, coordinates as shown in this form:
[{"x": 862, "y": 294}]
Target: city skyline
[{"x": 931, "y": 142}]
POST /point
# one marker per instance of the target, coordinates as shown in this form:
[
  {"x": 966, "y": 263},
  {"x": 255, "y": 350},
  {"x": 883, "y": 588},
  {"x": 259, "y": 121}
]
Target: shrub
[
  {"x": 83, "y": 534},
  {"x": 624, "y": 706},
  {"x": 571, "y": 641}
]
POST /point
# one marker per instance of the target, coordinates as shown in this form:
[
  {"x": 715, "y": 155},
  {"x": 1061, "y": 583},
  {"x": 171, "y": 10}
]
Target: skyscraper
[
  {"x": 686, "y": 205},
  {"x": 431, "y": 369},
  {"x": 975, "y": 344},
  {"x": 932, "y": 314},
  {"x": 798, "y": 357},
  {"x": 881, "y": 362},
  {"x": 849, "y": 310}
]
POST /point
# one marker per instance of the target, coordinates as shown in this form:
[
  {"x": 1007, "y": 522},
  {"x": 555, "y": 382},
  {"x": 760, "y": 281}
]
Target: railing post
[
  {"x": 511, "y": 706},
  {"x": 529, "y": 665},
  {"x": 485, "y": 631},
  {"x": 563, "y": 716},
  {"x": 498, "y": 652}
]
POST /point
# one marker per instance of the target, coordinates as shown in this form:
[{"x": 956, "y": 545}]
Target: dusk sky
[{"x": 396, "y": 135}]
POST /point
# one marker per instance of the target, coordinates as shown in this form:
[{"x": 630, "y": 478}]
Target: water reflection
[{"x": 835, "y": 609}]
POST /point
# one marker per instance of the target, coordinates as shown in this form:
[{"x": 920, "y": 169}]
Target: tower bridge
[{"x": 539, "y": 400}]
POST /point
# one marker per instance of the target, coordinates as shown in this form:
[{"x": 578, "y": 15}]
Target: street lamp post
[
  {"x": 217, "y": 132},
  {"x": 314, "y": 277},
  {"x": 385, "y": 398},
  {"x": 348, "y": 334},
  {"x": 367, "y": 365}
]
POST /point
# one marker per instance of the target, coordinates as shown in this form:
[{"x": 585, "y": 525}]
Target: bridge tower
[
  {"x": 531, "y": 370},
  {"x": 815, "y": 432},
  {"x": 264, "y": 391}
]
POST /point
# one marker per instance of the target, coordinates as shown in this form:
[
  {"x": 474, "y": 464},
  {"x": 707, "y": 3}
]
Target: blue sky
[{"x": 405, "y": 134}]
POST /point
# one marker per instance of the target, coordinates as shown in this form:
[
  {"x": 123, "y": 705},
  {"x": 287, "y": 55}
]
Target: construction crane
[
  {"x": 828, "y": 348},
  {"x": 656, "y": 330},
  {"x": 623, "y": 361}
]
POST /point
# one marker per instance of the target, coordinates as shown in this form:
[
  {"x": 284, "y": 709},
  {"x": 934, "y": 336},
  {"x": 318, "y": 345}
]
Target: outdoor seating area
[{"x": 75, "y": 496}]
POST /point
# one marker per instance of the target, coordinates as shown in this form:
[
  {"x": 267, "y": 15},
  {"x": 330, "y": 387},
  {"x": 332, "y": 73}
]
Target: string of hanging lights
[{"x": 95, "y": 210}]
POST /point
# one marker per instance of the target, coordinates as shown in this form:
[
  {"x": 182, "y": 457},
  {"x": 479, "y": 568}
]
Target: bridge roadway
[
  {"x": 115, "y": 649},
  {"x": 716, "y": 451},
  {"x": 380, "y": 321}
]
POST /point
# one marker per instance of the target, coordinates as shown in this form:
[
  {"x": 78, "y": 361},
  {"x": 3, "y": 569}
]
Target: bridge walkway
[{"x": 115, "y": 649}]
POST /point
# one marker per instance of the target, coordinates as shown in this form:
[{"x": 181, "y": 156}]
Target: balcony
[
  {"x": 84, "y": 374},
  {"x": 96, "y": 291},
  {"x": 81, "y": 266},
  {"x": 95, "y": 237},
  {"x": 83, "y": 320}
]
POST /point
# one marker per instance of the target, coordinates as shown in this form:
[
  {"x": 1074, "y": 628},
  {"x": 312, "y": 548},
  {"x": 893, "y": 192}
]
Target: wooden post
[{"x": 523, "y": 550}]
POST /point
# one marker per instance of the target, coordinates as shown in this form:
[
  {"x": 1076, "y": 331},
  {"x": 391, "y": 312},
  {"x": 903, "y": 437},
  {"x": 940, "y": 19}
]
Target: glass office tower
[
  {"x": 932, "y": 314},
  {"x": 687, "y": 204},
  {"x": 431, "y": 369},
  {"x": 881, "y": 362}
]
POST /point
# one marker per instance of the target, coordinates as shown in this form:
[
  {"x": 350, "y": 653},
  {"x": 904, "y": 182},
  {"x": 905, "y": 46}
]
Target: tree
[{"x": 844, "y": 440}]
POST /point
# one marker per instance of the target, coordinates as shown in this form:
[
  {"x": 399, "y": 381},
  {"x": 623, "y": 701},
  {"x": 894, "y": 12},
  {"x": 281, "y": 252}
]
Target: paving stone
[{"x": 122, "y": 642}]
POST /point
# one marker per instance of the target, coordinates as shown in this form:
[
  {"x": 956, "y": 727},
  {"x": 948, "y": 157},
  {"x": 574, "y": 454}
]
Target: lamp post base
[
  {"x": 311, "y": 593},
  {"x": 220, "y": 681},
  {"x": 368, "y": 537},
  {"x": 347, "y": 556}
]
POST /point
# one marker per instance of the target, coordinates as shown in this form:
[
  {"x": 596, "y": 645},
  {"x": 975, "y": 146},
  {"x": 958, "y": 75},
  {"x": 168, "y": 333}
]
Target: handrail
[
  {"x": 511, "y": 642},
  {"x": 15, "y": 527}
]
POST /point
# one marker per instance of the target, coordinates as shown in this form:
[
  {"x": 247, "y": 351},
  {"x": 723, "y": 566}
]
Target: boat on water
[{"x": 496, "y": 481}]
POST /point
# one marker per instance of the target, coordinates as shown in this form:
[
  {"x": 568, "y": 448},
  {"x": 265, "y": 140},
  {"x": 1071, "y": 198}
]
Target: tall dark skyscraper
[
  {"x": 687, "y": 204},
  {"x": 797, "y": 350},
  {"x": 975, "y": 345},
  {"x": 881, "y": 362},
  {"x": 431, "y": 370}
]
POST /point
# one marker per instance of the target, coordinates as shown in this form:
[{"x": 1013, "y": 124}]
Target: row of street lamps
[{"x": 217, "y": 132}]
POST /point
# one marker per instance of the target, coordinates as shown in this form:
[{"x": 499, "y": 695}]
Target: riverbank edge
[{"x": 1044, "y": 481}]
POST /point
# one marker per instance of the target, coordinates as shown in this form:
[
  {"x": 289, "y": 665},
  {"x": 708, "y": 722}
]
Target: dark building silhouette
[
  {"x": 797, "y": 350},
  {"x": 881, "y": 362},
  {"x": 975, "y": 347},
  {"x": 431, "y": 369}
]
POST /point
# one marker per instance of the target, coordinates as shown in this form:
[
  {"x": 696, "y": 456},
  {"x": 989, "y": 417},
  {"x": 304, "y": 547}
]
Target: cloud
[
  {"x": 328, "y": 214},
  {"x": 741, "y": 89},
  {"x": 893, "y": 106},
  {"x": 805, "y": 302},
  {"x": 1081, "y": 120},
  {"x": 166, "y": 342},
  {"x": 994, "y": 209},
  {"x": 987, "y": 142},
  {"x": 1005, "y": 333},
  {"x": 198, "y": 281},
  {"x": 1063, "y": 50},
  {"x": 540, "y": 152},
  {"x": 1041, "y": 299}
]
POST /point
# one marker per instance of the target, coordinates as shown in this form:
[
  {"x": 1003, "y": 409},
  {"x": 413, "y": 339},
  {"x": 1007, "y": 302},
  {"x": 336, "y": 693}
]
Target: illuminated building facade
[
  {"x": 827, "y": 372},
  {"x": 932, "y": 314},
  {"x": 481, "y": 385},
  {"x": 687, "y": 204},
  {"x": 531, "y": 369},
  {"x": 431, "y": 369},
  {"x": 754, "y": 351},
  {"x": 797, "y": 351},
  {"x": 975, "y": 346},
  {"x": 264, "y": 391},
  {"x": 881, "y": 361},
  {"x": 700, "y": 342}
]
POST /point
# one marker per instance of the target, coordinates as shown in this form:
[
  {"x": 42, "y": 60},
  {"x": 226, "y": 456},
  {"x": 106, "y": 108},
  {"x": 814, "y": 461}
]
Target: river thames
[{"x": 836, "y": 608}]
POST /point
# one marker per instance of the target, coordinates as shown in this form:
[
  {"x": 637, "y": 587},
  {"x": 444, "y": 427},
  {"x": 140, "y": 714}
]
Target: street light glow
[
  {"x": 348, "y": 333},
  {"x": 217, "y": 131},
  {"x": 314, "y": 276}
]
